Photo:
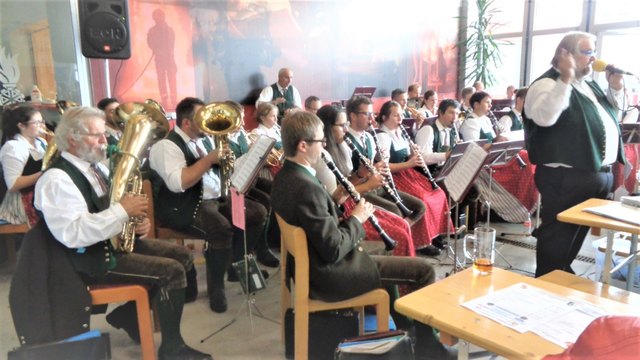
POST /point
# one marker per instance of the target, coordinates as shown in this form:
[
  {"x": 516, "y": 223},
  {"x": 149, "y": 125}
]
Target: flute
[
  {"x": 389, "y": 243},
  {"x": 367, "y": 163},
  {"x": 424, "y": 169}
]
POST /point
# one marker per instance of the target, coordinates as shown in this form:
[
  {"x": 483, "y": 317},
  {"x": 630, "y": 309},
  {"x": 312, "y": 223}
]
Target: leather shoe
[
  {"x": 268, "y": 258},
  {"x": 125, "y": 317},
  {"x": 429, "y": 250},
  {"x": 217, "y": 300},
  {"x": 439, "y": 242},
  {"x": 184, "y": 352}
]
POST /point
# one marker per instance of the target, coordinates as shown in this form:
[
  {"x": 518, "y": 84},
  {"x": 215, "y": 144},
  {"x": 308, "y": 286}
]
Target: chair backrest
[
  {"x": 147, "y": 189},
  {"x": 294, "y": 242}
]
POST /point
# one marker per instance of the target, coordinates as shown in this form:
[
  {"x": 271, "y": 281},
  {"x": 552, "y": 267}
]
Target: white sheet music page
[
  {"x": 465, "y": 171},
  {"x": 247, "y": 169}
]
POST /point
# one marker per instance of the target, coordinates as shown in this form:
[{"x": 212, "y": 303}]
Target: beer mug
[{"x": 483, "y": 252}]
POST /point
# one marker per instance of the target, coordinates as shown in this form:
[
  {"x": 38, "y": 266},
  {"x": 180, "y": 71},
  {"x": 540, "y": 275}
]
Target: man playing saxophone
[{"x": 73, "y": 198}]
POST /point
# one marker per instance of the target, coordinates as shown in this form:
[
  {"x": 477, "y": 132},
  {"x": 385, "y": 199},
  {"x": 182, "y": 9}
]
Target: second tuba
[
  {"x": 220, "y": 119},
  {"x": 144, "y": 125}
]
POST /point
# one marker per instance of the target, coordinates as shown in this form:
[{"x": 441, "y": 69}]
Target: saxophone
[{"x": 144, "y": 124}]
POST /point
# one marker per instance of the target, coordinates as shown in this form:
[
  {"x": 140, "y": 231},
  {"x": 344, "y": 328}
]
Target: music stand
[
  {"x": 458, "y": 175},
  {"x": 244, "y": 176},
  {"x": 367, "y": 91},
  {"x": 631, "y": 133}
]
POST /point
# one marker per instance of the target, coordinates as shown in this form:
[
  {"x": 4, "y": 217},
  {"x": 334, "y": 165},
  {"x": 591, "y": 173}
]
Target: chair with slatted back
[{"x": 294, "y": 242}]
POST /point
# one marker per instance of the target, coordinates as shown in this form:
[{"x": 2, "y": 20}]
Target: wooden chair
[
  {"x": 294, "y": 242},
  {"x": 157, "y": 231},
  {"x": 106, "y": 294},
  {"x": 8, "y": 229}
]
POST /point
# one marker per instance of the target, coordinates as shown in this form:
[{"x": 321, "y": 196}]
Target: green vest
[
  {"x": 437, "y": 142},
  {"x": 288, "y": 98},
  {"x": 368, "y": 152},
  {"x": 516, "y": 123},
  {"x": 178, "y": 210},
  {"x": 241, "y": 147},
  {"x": 578, "y": 137},
  {"x": 96, "y": 259}
]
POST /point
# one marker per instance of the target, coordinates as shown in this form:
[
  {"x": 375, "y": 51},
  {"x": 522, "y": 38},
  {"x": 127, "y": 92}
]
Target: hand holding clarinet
[
  {"x": 363, "y": 210},
  {"x": 421, "y": 164}
]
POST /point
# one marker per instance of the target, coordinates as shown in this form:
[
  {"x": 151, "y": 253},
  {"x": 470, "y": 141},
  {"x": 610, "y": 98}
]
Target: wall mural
[
  {"x": 9, "y": 77},
  {"x": 231, "y": 49}
]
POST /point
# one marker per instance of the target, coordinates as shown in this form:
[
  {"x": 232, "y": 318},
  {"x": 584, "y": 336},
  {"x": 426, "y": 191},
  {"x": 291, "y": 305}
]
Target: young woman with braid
[{"x": 402, "y": 162}]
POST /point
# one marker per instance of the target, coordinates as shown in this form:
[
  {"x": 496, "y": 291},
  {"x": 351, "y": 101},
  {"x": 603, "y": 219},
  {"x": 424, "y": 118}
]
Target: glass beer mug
[{"x": 482, "y": 253}]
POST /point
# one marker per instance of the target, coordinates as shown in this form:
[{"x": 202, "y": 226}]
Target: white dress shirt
[
  {"x": 548, "y": 98},
  {"x": 273, "y": 132},
  {"x": 266, "y": 95},
  {"x": 15, "y": 154},
  {"x": 470, "y": 128},
  {"x": 506, "y": 122},
  {"x": 425, "y": 138},
  {"x": 65, "y": 209},
  {"x": 167, "y": 160}
]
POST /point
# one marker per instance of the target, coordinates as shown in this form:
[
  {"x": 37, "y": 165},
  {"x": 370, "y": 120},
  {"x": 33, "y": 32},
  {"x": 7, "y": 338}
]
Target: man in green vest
[
  {"x": 73, "y": 196},
  {"x": 512, "y": 121},
  {"x": 573, "y": 136},
  {"x": 438, "y": 139},
  {"x": 281, "y": 94}
]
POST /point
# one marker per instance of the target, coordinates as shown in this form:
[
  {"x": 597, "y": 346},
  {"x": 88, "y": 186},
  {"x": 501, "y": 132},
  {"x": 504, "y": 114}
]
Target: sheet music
[
  {"x": 465, "y": 171},
  {"x": 246, "y": 170}
]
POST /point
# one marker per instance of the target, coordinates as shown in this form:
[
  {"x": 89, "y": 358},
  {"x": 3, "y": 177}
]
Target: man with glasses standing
[{"x": 572, "y": 134}]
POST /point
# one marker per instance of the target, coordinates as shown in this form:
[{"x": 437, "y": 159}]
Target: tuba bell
[
  {"x": 145, "y": 124},
  {"x": 220, "y": 119}
]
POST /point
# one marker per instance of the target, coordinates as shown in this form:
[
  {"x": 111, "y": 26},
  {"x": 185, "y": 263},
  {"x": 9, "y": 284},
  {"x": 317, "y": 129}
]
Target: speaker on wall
[{"x": 104, "y": 29}]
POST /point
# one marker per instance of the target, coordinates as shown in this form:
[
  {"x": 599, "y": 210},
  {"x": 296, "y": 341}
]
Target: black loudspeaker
[{"x": 104, "y": 29}]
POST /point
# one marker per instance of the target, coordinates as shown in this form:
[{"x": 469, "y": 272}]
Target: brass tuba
[
  {"x": 145, "y": 124},
  {"x": 52, "y": 147},
  {"x": 220, "y": 119}
]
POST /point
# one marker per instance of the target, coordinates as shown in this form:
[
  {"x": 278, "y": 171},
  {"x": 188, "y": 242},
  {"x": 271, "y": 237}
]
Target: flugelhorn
[
  {"x": 220, "y": 119},
  {"x": 144, "y": 125},
  {"x": 389, "y": 243},
  {"x": 275, "y": 157}
]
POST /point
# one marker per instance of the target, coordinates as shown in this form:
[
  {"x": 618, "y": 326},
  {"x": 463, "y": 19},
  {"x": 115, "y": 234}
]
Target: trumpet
[
  {"x": 417, "y": 115},
  {"x": 275, "y": 157}
]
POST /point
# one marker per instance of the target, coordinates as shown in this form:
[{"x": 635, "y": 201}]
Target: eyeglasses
[
  {"x": 366, "y": 113},
  {"x": 343, "y": 125},
  {"x": 36, "y": 122},
  {"x": 323, "y": 141},
  {"x": 588, "y": 52},
  {"x": 93, "y": 134}
]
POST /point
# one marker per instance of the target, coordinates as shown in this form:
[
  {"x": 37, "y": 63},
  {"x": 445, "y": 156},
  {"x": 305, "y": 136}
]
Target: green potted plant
[{"x": 479, "y": 50}]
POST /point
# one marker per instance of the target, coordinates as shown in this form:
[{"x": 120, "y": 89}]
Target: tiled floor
[{"x": 252, "y": 337}]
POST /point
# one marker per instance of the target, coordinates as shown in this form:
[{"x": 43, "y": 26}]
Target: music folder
[
  {"x": 460, "y": 176},
  {"x": 364, "y": 91},
  {"x": 248, "y": 166},
  {"x": 500, "y": 153},
  {"x": 456, "y": 153}
]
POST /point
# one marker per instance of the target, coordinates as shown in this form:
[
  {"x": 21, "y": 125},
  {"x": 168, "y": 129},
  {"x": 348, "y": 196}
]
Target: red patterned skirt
[
  {"x": 436, "y": 218},
  {"x": 395, "y": 226}
]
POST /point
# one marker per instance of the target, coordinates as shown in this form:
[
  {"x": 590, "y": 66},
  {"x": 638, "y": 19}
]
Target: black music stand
[
  {"x": 243, "y": 178},
  {"x": 367, "y": 91},
  {"x": 457, "y": 176}
]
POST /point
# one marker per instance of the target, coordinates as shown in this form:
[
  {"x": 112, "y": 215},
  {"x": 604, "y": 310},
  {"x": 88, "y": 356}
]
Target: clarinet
[
  {"x": 499, "y": 129},
  {"x": 392, "y": 183},
  {"x": 424, "y": 169},
  {"x": 367, "y": 163},
  {"x": 389, "y": 243}
]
